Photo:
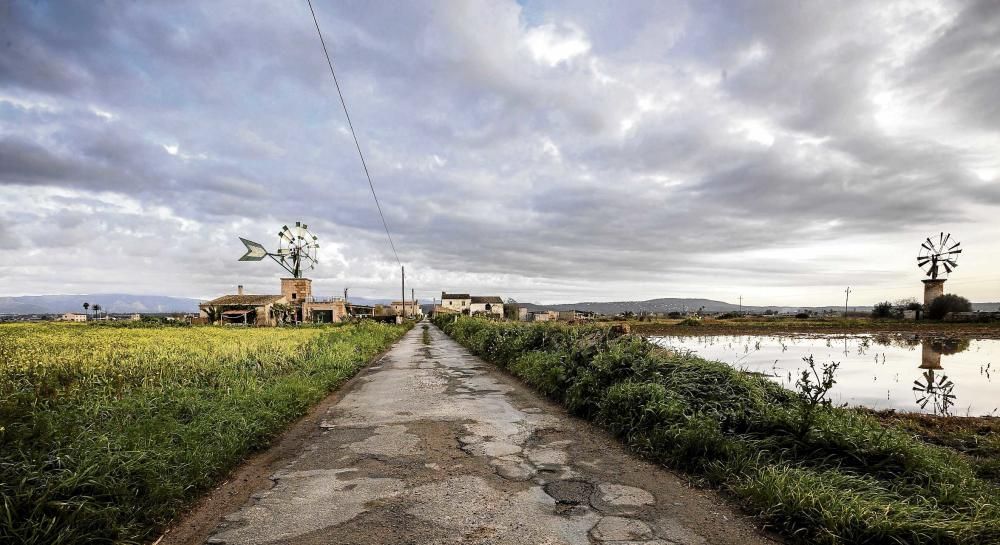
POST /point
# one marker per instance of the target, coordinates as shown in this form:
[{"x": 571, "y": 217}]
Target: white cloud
[{"x": 551, "y": 44}]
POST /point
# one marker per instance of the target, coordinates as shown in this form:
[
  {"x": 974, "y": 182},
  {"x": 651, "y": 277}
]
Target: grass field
[
  {"x": 815, "y": 474},
  {"x": 107, "y": 432}
]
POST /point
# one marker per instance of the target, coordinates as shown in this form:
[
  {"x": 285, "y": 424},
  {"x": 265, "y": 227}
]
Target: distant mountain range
[
  {"x": 115, "y": 303},
  {"x": 121, "y": 303},
  {"x": 670, "y": 304}
]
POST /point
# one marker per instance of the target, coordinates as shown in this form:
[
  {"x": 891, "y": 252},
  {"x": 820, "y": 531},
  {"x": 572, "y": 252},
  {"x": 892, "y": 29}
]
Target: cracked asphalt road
[{"x": 433, "y": 445}]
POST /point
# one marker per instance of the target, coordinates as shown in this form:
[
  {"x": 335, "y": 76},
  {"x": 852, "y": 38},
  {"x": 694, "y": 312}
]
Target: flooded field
[{"x": 957, "y": 377}]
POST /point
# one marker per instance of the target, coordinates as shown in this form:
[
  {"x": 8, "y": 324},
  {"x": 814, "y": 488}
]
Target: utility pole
[
  {"x": 345, "y": 295},
  {"x": 847, "y": 295},
  {"x": 402, "y": 295},
  {"x": 413, "y": 302}
]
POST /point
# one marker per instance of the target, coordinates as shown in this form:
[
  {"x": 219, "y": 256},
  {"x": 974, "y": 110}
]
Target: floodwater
[{"x": 955, "y": 377}]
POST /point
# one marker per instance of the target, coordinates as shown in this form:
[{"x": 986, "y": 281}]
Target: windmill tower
[
  {"x": 937, "y": 259},
  {"x": 297, "y": 249}
]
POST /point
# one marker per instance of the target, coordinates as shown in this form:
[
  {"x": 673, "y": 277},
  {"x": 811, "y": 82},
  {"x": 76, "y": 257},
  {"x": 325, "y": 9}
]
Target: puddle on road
[{"x": 958, "y": 377}]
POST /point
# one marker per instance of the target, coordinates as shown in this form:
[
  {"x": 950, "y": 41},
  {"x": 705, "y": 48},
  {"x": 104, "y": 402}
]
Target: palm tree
[
  {"x": 213, "y": 314},
  {"x": 86, "y": 308},
  {"x": 97, "y": 310}
]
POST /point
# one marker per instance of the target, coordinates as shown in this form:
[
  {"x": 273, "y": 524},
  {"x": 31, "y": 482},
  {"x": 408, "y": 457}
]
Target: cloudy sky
[{"x": 549, "y": 151}]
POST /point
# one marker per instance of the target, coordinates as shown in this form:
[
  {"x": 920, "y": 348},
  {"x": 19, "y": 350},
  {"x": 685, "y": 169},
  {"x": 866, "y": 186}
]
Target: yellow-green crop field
[{"x": 107, "y": 432}]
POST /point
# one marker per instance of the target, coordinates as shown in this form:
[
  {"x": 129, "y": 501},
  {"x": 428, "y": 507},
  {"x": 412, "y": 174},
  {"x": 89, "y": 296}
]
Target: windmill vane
[
  {"x": 297, "y": 249},
  {"x": 938, "y": 257}
]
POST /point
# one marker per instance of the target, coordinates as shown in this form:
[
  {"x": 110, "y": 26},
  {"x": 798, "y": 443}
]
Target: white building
[
  {"x": 455, "y": 302},
  {"x": 486, "y": 304},
  {"x": 412, "y": 308},
  {"x": 74, "y": 317}
]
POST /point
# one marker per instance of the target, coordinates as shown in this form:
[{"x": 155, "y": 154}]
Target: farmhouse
[
  {"x": 74, "y": 317},
  {"x": 470, "y": 304},
  {"x": 486, "y": 304},
  {"x": 455, "y": 302},
  {"x": 295, "y": 304},
  {"x": 544, "y": 316},
  {"x": 407, "y": 308}
]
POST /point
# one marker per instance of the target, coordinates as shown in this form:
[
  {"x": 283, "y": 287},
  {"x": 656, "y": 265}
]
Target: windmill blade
[
  {"x": 922, "y": 260},
  {"x": 928, "y": 245},
  {"x": 953, "y": 252},
  {"x": 955, "y": 245},
  {"x": 946, "y": 267},
  {"x": 945, "y": 241},
  {"x": 952, "y": 262}
]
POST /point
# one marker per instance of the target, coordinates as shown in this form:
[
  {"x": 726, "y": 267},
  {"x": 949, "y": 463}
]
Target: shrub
[
  {"x": 882, "y": 310},
  {"x": 947, "y": 303},
  {"x": 814, "y": 389}
]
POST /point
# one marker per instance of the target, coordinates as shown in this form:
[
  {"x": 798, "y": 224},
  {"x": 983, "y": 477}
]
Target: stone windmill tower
[{"x": 937, "y": 259}]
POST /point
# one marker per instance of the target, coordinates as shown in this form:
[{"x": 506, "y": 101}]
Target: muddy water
[{"x": 958, "y": 377}]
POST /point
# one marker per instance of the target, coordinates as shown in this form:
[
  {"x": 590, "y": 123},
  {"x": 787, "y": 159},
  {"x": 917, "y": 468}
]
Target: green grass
[
  {"x": 107, "y": 433},
  {"x": 847, "y": 479},
  {"x": 977, "y": 439}
]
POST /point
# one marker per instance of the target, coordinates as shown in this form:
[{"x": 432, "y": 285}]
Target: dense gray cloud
[{"x": 548, "y": 151}]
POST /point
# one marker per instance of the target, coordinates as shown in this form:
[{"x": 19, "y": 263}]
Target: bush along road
[{"x": 810, "y": 472}]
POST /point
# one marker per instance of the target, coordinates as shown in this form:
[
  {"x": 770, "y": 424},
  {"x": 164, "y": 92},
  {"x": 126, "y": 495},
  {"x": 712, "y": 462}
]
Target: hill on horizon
[
  {"x": 675, "y": 304},
  {"x": 116, "y": 303}
]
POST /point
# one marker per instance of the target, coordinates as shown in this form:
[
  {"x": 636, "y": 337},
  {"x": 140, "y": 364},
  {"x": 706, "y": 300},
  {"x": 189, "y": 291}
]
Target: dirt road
[{"x": 433, "y": 445}]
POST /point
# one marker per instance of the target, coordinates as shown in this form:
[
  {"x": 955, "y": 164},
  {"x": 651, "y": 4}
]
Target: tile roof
[
  {"x": 492, "y": 299},
  {"x": 252, "y": 300},
  {"x": 455, "y": 296}
]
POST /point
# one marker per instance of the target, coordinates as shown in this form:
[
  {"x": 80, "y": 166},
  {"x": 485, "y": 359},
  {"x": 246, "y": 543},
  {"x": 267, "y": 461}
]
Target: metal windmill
[
  {"x": 935, "y": 255},
  {"x": 935, "y": 390},
  {"x": 297, "y": 249}
]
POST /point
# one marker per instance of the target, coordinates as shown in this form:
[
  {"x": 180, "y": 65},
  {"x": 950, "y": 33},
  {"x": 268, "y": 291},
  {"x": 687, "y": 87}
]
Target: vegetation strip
[
  {"x": 106, "y": 433},
  {"x": 814, "y": 473}
]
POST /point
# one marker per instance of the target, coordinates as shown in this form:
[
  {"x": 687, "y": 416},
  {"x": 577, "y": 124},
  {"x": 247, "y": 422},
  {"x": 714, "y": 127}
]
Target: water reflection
[
  {"x": 943, "y": 376},
  {"x": 937, "y": 390}
]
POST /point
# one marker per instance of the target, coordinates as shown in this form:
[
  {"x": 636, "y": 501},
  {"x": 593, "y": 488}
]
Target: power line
[{"x": 354, "y": 134}]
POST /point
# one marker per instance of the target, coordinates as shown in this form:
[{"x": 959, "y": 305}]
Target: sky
[{"x": 544, "y": 151}]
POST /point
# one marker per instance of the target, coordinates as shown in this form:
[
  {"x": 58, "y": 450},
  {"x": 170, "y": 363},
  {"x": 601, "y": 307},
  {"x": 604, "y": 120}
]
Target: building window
[{"x": 293, "y": 295}]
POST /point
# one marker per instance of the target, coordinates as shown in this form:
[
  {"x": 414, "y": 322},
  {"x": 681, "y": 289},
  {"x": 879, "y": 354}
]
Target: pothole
[{"x": 570, "y": 492}]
